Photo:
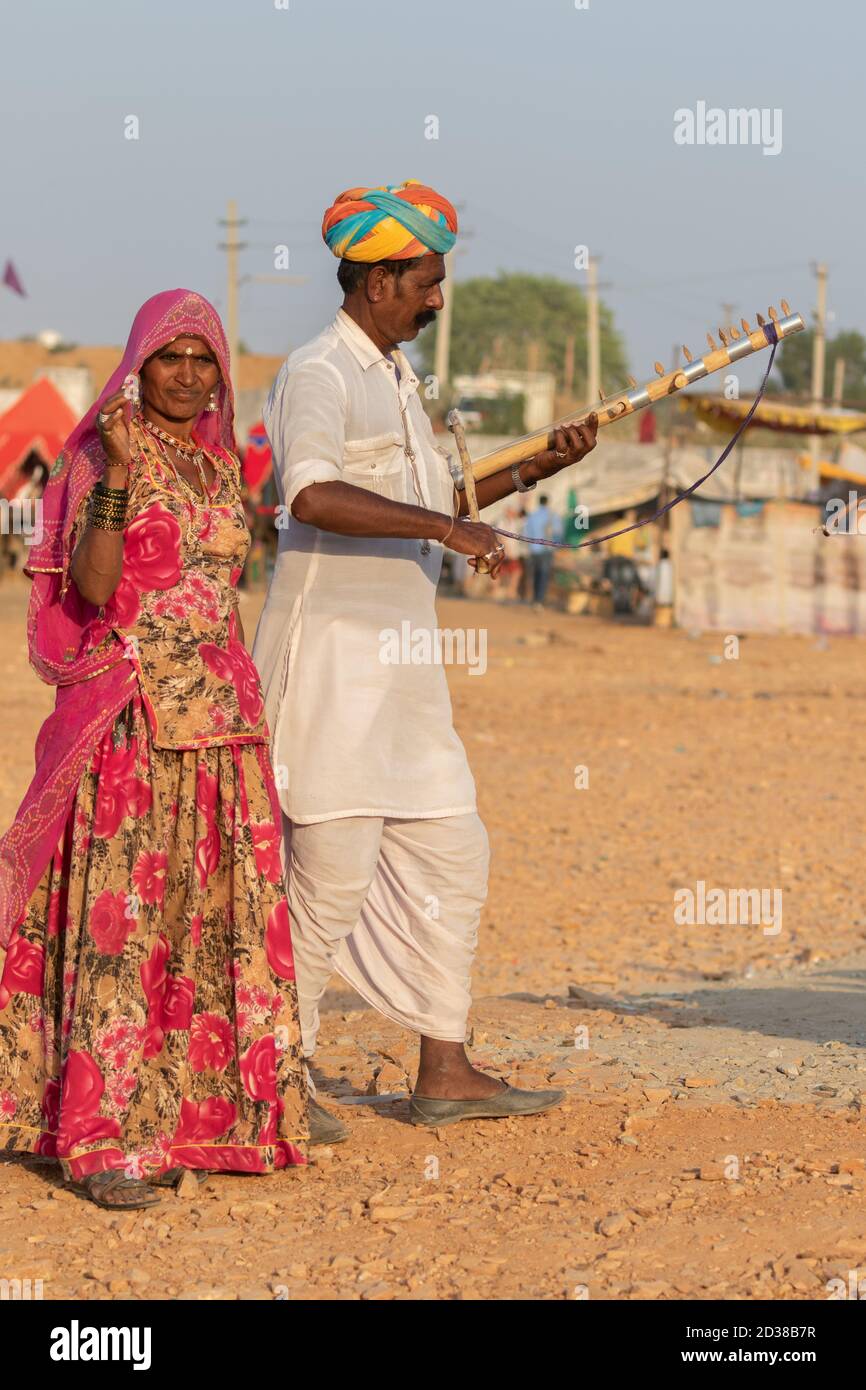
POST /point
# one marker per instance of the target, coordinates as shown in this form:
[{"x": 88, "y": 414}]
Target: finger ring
[
  {"x": 102, "y": 420},
  {"x": 563, "y": 455}
]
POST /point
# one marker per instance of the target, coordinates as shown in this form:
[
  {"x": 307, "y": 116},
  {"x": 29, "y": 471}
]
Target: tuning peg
[
  {"x": 745, "y": 327},
  {"x": 786, "y": 308},
  {"x": 659, "y": 368},
  {"x": 762, "y": 322},
  {"x": 711, "y": 342},
  {"x": 724, "y": 337},
  {"x": 601, "y": 396},
  {"x": 686, "y": 354},
  {"x": 733, "y": 332},
  {"x": 774, "y": 314},
  {"x": 632, "y": 383}
]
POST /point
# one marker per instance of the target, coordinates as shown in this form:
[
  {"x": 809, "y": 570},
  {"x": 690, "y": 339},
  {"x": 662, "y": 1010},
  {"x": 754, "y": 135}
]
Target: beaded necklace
[{"x": 194, "y": 452}]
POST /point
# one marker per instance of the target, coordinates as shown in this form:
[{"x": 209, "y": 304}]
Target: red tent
[{"x": 32, "y": 431}]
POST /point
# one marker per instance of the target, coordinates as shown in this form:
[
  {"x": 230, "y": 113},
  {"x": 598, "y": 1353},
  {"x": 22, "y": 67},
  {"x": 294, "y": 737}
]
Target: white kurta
[{"x": 352, "y": 732}]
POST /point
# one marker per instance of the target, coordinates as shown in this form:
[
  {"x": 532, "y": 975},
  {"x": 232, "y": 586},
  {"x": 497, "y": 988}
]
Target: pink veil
[
  {"x": 58, "y": 617},
  {"x": 90, "y": 692}
]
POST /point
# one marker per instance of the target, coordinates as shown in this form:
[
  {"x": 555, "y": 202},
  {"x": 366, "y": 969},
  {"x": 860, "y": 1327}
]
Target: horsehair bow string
[{"x": 772, "y": 336}]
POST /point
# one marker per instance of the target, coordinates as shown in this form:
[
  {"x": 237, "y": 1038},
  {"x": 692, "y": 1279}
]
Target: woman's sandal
[
  {"x": 116, "y": 1192},
  {"x": 172, "y": 1176}
]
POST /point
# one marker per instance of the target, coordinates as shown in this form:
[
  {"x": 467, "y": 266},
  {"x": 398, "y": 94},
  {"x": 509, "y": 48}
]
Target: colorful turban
[{"x": 395, "y": 222}]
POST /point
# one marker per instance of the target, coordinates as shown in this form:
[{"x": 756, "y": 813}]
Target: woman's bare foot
[{"x": 445, "y": 1073}]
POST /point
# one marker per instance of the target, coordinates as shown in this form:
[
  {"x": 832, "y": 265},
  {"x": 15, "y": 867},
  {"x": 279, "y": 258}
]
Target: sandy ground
[{"x": 712, "y": 1140}]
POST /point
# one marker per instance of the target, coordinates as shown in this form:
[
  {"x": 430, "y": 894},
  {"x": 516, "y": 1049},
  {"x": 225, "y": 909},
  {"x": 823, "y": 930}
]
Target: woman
[{"x": 148, "y": 1017}]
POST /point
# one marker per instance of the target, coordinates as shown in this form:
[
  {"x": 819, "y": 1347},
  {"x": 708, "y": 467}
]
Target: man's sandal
[
  {"x": 116, "y": 1192},
  {"x": 172, "y": 1176}
]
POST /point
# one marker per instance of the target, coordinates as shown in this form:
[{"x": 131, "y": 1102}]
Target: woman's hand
[{"x": 113, "y": 425}]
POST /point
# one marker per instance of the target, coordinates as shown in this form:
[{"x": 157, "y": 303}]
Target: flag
[{"x": 11, "y": 281}]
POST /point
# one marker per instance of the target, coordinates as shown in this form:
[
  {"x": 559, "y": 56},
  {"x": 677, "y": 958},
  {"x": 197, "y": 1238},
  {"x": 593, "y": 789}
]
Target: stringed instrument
[{"x": 735, "y": 346}]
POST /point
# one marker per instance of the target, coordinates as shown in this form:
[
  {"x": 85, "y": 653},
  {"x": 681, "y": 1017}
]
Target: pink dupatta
[{"x": 91, "y": 688}]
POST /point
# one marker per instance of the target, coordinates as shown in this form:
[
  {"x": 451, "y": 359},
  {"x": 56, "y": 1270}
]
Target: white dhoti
[{"x": 392, "y": 906}]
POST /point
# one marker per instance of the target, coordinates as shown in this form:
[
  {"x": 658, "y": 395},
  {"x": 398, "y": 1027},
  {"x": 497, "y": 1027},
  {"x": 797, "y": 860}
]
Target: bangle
[
  {"x": 454, "y": 516},
  {"x": 108, "y": 507},
  {"x": 519, "y": 484}
]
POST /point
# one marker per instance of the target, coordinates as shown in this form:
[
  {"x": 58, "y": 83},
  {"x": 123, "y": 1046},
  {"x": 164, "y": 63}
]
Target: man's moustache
[{"x": 422, "y": 320}]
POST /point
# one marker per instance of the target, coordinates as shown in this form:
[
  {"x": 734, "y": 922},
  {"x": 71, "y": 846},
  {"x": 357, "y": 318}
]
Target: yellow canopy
[{"x": 777, "y": 415}]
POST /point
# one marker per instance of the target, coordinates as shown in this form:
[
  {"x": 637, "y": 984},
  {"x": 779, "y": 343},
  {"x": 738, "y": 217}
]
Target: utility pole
[
  {"x": 232, "y": 247},
  {"x": 568, "y": 367},
  {"x": 838, "y": 380},
  {"x": 442, "y": 356},
  {"x": 819, "y": 346},
  {"x": 593, "y": 344}
]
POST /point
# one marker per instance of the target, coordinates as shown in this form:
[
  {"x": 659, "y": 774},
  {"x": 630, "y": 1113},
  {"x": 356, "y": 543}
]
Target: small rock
[
  {"x": 614, "y": 1225},
  {"x": 657, "y": 1095},
  {"x": 712, "y": 1172},
  {"x": 854, "y": 1165},
  {"x": 801, "y": 1275},
  {"x": 694, "y": 1082},
  {"x": 187, "y": 1187},
  {"x": 387, "y": 1078},
  {"x": 790, "y": 1071},
  {"x": 383, "y": 1213}
]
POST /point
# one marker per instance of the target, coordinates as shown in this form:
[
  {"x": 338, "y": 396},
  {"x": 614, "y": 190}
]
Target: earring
[{"x": 212, "y": 402}]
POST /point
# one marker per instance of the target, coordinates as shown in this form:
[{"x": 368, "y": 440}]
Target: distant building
[{"x": 536, "y": 388}]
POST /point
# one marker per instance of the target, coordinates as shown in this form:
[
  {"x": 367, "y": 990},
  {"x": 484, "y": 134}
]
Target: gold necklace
[{"x": 183, "y": 446}]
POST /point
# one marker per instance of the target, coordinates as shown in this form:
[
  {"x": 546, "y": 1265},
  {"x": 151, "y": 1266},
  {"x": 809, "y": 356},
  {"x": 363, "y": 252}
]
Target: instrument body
[{"x": 616, "y": 407}]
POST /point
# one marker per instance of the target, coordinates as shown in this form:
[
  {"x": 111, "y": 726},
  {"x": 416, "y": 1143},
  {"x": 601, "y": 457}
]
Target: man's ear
[{"x": 376, "y": 284}]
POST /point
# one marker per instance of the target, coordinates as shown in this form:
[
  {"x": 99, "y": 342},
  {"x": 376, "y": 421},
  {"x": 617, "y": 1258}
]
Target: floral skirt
[{"x": 148, "y": 1014}]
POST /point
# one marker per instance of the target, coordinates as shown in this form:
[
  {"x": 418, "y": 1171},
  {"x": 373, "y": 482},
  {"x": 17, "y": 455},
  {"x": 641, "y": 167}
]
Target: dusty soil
[{"x": 712, "y": 1140}]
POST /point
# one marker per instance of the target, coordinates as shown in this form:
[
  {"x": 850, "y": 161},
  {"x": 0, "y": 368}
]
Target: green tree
[
  {"x": 496, "y": 321},
  {"x": 794, "y": 365}
]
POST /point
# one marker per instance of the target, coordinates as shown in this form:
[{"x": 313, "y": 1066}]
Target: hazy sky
[{"x": 556, "y": 128}]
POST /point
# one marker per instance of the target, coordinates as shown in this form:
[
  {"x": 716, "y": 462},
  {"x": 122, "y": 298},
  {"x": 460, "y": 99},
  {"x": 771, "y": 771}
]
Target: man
[
  {"x": 541, "y": 524},
  {"x": 385, "y": 855}
]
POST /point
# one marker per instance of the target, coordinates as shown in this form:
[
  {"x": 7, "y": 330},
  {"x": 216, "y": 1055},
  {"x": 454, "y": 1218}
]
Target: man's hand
[
  {"x": 572, "y": 443},
  {"x": 479, "y": 541}
]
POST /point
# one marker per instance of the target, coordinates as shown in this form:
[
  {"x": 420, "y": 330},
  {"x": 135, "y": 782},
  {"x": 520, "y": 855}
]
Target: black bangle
[{"x": 118, "y": 494}]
